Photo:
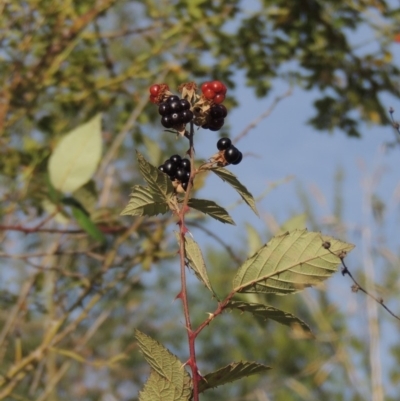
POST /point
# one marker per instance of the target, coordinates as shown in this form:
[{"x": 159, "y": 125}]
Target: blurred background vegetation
[{"x": 69, "y": 306}]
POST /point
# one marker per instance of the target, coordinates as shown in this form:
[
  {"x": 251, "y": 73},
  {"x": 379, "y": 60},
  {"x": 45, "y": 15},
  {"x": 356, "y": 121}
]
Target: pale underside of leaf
[
  {"x": 167, "y": 366},
  {"x": 289, "y": 263},
  {"x": 230, "y": 373},
  {"x": 159, "y": 183},
  {"x": 212, "y": 209},
  {"x": 157, "y": 388},
  {"x": 142, "y": 203},
  {"x": 196, "y": 261},
  {"x": 232, "y": 180},
  {"x": 75, "y": 158},
  {"x": 268, "y": 312}
]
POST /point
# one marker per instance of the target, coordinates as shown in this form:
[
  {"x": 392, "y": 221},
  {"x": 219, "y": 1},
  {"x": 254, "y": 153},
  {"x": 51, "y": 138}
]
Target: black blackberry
[
  {"x": 239, "y": 159},
  {"x": 224, "y": 143},
  {"x": 186, "y": 116},
  {"x": 185, "y": 105},
  {"x": 164, "y": 109},
  {"x": 185, "y": 164},
  {"x": 231, "y": 154},
  {"x": 176, "y": 159},
  {"x": 175, "y": 111},
  {"x": 218, "y": 111},
  {"x": 170, "y": 168},
  {"x": 166, "y": 121}
]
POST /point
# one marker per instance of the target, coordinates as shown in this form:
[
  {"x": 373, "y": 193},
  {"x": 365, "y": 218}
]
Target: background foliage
[{"x": 75, "y": 272}]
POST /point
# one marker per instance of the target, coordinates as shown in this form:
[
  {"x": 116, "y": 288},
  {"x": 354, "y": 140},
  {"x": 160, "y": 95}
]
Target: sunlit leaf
[
  {"x": 230, "y": 373},
  {"x": 142, "y": 203},
  {"x": 232, "y": 180},
  {"x": 196, "y": 260},
  {"x": 157, "y": 388},
  {"x": 212, "y": 209},
  {"x": 159, "y": 183},
  {"x": 75, "y": 158},
  {"x": 289, "y": 263},
  {"x": 170, "y": 379}
]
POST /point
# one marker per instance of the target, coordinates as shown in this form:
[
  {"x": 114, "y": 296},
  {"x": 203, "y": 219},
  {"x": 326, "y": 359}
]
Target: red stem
[{"x": 183, "y": 294}]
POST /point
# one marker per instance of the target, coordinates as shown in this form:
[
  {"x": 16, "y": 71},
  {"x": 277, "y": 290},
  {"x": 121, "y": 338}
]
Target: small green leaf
[
  {"x": 142, "y": 203},
  {"x": 212, "y": 209},
  {"x": 75, "y": 158},
  {"x": 232, "y": 180},
  {"x": 289, "y": 263},
  {"x": 159, "y": 389},
  {"x": 160, "y": 184},
  {"x": 230, "y": 373},
  {"x": 196, "y": 261},
  {"x": 268, "y": 312},
  {"x": 175, "y": 381},
  {"x": 84, "y": 221}
]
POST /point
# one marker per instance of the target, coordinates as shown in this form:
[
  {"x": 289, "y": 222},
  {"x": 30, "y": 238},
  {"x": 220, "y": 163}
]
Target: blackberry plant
[{"x": 288, "y": 263}]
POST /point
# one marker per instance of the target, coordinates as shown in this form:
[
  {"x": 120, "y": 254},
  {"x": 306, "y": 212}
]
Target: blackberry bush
[{"x": 286, "y": 264}]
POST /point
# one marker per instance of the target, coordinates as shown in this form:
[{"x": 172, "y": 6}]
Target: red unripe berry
[
  {"x": 153, "y": 99},
  {"x": 217, "y": 86},
  {"x": 154, "y": 89},
  {"x": 209, "y": 94},
  {"x": 205, "y": 86},
  {"x": 219, "y": 98}
]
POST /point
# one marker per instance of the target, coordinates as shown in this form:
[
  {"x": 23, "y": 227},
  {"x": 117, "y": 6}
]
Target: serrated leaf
[
  {"x": 176, "y": 380},
  {"x": 269, "y": 312},
  {"x": 212, "y": 209},
  {"x": 84, "y": 221},
  {"x": 196, "y": 260},
  {"x": 159, "y": 389},
  {"x": 75, "y": 158},
  {"x": 160, "y": 184},
  {"x": 142, "y": 203},
  {"x": 230, "y": 373},
  {"x": 232, "y": 180},
  {"x": 289, "y": 263}
]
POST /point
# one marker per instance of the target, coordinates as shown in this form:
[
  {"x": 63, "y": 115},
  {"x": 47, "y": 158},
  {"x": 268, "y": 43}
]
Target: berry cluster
[
  {"x": 177, "y": 169},
  {"x": 216, "y": 116},
  {"x": 175, "y": 111},
  {"x": 214, "y": 90},
  {"x": 232, "y": 154}
]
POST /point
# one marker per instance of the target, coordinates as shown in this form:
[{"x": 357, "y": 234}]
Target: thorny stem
[{"x": 183, "y": 293}]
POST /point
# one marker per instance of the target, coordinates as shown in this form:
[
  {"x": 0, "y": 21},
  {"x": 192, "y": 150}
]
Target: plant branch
[{"x": 357, "y": 286}]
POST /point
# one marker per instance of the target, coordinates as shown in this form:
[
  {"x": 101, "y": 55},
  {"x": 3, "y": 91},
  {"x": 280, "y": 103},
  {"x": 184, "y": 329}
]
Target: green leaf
[
  {"x": 160, "y": 184},
  {"x": 159, "y": 389},
  {"x": 230, "y": 373},
  {"x": 75, "y": 158},
  {"x": 289, "y": 263},
  {"x": 232, "y": 180},
  {"x": 176, "y": 380},
  {"x": 212, "y": 209},
  {"x": 142, "y": 203},
  {"x": 196, "y": 261},
  {"x": 268, "y": 312},
  {"x": 84, "y": 221}
]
